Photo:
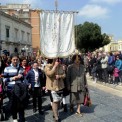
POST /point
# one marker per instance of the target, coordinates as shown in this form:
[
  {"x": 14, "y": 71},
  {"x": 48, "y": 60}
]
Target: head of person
[
  {"x": 14, "y": 59},
  {"x": 93, "y": 56},
  {"x": 41, "y": 58},
  {"x": 99, "y": 55},
  {"x": 4, "y": 56},
  {"x": 103, "y": 55},
  {"x": 23, "y": 61},
  {"x": 8, "y": 60},
  {"x": 58, "y": 60},
  {"x": 117, "y": 57},
  {"x": 35, "y": 65},
  {"x": 32, "y": 59},
  {"x": 38, "y": 61},
  {"x": 76, "y": 59},
  {"x": 110, "y": 53},
  {"x": 50, "y": 61}
]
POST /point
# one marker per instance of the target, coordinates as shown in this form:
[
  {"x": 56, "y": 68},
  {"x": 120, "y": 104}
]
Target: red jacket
[{"x": 26, "y": 69}]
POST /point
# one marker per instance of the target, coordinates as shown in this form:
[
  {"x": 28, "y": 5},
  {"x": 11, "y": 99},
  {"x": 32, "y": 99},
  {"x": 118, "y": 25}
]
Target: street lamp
[{"x": 24, "y": 50}]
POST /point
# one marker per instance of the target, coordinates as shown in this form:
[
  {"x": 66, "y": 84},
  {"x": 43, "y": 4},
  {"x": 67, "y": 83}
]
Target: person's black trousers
[
  {"x": 105, "y": 75},
  {"x": 37, "y": 97},
  {"x": 7, "y": 108},
  {"x": 17, "y": 107},
  {"x": 21, "y": 115}
]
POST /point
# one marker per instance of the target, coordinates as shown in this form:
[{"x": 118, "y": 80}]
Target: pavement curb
[{"x": 116, "y": 87}]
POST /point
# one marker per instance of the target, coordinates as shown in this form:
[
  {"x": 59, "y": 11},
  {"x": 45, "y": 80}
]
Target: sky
[{"x": 106, "y": 13}]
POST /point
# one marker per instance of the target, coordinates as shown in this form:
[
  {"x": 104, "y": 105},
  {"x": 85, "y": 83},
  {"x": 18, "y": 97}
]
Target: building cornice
[{"x": 15, "y": 19}]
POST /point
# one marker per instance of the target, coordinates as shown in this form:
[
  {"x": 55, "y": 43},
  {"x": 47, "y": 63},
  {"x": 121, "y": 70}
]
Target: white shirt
[
  {"x": 104, "y": 62},
  {"x": 37, "y": 84}
]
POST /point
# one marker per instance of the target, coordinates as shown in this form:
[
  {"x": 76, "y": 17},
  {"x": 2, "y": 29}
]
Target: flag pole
[
  {"x": 56, "y": 5},
  {"x": 56, "y": 9}
]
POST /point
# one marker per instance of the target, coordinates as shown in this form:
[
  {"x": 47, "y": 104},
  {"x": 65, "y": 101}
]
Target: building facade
[
  {"x": 120, "y": 45},
  {"x": 29, "y": 15},
  {"x": 111, "y": 47},
  {"x": 15, "y": 35}
]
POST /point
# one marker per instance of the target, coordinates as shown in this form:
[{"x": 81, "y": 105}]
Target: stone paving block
[
  {"x": 72, "y": 120},
  {"x": 117, "y": 113},
  {"x": 105, "y": 108},
  {"x": 95, "y": 120},
  {"x": 88, "y": 117},
  {"x": 101, "y": 113},
  {"x": 119, "y": 120},
  {"x": 111, "y": 118}
]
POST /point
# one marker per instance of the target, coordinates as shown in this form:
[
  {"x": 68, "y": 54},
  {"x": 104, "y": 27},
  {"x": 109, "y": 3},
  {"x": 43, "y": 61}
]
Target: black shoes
[
  {"x": 41, "y": 112},
  {"x": 2, "y": 117},
  {"x": 65, "y": 108},
  {"x": 71, "y": 109},
  {"x": 34, "y": 110},
  {"x": 7, "y": 116}
]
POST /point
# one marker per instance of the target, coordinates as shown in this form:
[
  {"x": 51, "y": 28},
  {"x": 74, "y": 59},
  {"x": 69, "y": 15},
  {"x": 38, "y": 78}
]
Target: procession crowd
[{"x": 22, "y": 78}]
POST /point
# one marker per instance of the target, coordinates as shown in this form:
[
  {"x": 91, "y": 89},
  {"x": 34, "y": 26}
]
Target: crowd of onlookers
[
  {"x": 24, "y": 77},
  {"x": 104, "y": 67}
]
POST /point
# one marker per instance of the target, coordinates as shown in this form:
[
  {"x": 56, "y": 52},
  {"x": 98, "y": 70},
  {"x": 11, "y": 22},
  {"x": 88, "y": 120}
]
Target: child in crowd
[{"x": 116, "y": 76}]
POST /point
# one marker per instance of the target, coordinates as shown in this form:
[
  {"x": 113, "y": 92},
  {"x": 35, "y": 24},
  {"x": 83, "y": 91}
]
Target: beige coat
[
  {"x": 51, "y": 82},
  {"x": 76, "y": 78}
]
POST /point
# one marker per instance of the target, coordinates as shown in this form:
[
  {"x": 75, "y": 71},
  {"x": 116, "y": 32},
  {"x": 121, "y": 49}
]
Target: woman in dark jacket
[{"x": 76, "y": 81}]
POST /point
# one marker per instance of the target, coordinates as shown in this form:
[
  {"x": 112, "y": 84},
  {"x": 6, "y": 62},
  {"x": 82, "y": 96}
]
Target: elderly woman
[
  {"x": 76, "y": 81},
  {"x": 55, "y": 84}
]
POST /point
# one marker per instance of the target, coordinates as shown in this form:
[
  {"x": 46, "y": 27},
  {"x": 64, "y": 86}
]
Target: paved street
[{"x": 106, "y": 107}]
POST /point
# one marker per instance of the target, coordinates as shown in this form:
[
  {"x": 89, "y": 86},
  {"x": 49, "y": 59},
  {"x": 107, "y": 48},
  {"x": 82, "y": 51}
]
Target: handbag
[{"x": 87, "y": 100}]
